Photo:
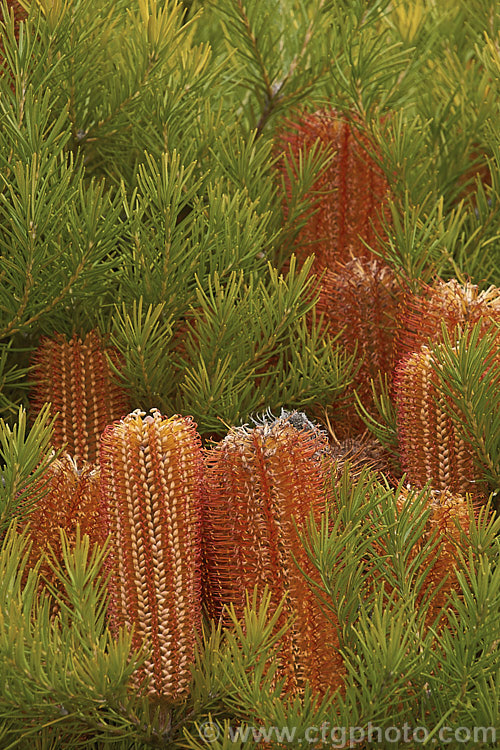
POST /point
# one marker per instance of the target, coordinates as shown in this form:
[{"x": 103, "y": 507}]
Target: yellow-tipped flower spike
[
  {"x": 151, "y": 471},
  {"x": 261, "y": 486},
  {"x": 76, "y": 378}
]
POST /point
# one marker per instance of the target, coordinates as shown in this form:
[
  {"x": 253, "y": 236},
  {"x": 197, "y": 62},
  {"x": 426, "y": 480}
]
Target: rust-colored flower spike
[
  {"x": 261, "y": 484},
  {"x": 72, "y": 498},
  {"x": 450, "y": 303},
  {"x": 361, "y": 300},
  {"x": 151, "y": 472},
  {"x": 431, "y": 449},
  {"x": 449, "y": 525},
  {"x": 76, "y": 378},
  {"x": 353, "y": 189}
]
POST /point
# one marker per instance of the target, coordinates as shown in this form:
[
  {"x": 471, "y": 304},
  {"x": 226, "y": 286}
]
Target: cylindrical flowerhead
[
  {"x": 431, "y": 448},
  {"x": 360, "y": 300},
  {"x": 73, "y": 498},
  {"x": 450, "y": 303},
  {"x": 448, "y": 525},
  {"x": 351, "y": 194},
  {"x": 261, "y": 486},
  {"x": 151, "y": 473},
  {"x": 76, "y": 378}
]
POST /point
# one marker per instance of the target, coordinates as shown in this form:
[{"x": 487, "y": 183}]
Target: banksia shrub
[
  {"x": 151, "y": 469},
  {"x": 261, "y": 486},
  {"x": 431, "y": 447},
  {"x": 76, "y": 378},
  {"x": 351, "y": 193},
  {"x": 450, "y": 303},
  {"x": 72, "y": 498}
]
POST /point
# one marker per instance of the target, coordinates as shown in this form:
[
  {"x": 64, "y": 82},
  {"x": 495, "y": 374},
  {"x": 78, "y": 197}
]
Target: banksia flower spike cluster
[
  {"x": 73, "y": 498},
  {"x": 431, "y": 449},
  {"x": 352, "y": 191},
  {"x": 261, "y": 486},
  {"x": 76, "y": 378},
  {"x": 151, "y": 470},
  {"x": 450, "y": 303}
]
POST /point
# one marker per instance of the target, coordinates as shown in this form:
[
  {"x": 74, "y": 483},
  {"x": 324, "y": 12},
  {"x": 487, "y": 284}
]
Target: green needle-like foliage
[
  {"x": 56, "y": 237},
  {"x": 24, "y": 455},
  {"x": 247, "y": 346},
  {"x": 269, "y": 83},
  {"x": 10, "y": 376},
  {"x": 172, "y": 235},
  {"x": 386, "y": 430},
  {"x": 144, "y": 339},
  {"x": 59, "y": 674},
  {"x": 67, "y": 680},
  {"x": 245, "y": 337}
]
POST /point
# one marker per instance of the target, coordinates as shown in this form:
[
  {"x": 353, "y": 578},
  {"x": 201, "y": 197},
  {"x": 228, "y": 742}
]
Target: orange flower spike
[
  {"x": 75, "y": 377},
  {"x": 360, "y": 301},
  {"x": 352, "y": 191},
  {"x": 449, "y": 521},
  {"x": 151, "y": 485},
  {"x": 259, "y": 483},
  {"x": 72, "y": 498},
  {"x": 450, "y": 303},
  {"x": 363, "y": 297},
  {"x": 431, "y": 449}
]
